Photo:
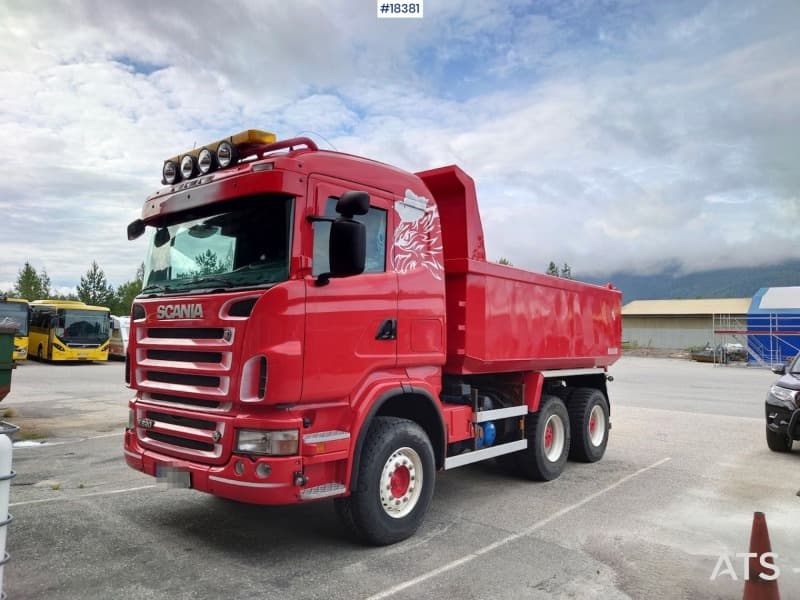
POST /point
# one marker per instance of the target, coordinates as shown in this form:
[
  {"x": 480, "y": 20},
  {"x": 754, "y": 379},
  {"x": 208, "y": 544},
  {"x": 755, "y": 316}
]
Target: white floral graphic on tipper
[{"x": 418, "y": 238}]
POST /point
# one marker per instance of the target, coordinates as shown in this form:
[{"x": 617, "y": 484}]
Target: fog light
[
  {"x": 263, "y": 470},
  {"x": 238, "y": 468}
]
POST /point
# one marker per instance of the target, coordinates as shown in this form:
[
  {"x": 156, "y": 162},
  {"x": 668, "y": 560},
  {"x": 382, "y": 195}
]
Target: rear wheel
[
  {"x": 548, "y": 435},
  {"x": 778, "y": 442},
  {"x": 588, "y": 416},
  {"x": 394, "y": 483}
]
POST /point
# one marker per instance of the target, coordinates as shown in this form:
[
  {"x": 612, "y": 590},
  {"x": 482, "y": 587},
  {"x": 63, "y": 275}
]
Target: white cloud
[{"x": 610, "y": 136}]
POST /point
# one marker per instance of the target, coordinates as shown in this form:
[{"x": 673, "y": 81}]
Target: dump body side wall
[{"x": 505, "y": 319}]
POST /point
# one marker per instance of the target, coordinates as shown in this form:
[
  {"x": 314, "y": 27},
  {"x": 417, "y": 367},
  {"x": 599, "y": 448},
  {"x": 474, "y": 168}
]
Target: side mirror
[
  {"x": 353, "y": 203},
  {"x": 347, "y": 248},
  {"x": 136, "y": 229},
  {"x": 779, "y": 369},
  {"x": 162, "y": 237}
]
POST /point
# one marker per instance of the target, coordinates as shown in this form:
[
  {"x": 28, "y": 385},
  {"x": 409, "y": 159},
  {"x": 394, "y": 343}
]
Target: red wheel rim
[
  {"x": 399, "y": 482},
  {"x": 548, "y": 436}
]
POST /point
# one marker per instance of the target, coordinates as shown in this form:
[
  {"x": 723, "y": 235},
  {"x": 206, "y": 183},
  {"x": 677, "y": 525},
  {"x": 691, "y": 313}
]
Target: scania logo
[
  {"x": 179, "y": 311},
  {"x": 145, "y": 423}
]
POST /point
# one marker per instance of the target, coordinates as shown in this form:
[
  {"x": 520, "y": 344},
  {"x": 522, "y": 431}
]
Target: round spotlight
[
  {"x": 205, "y": 161},
  {"x": 170, "y": 172},
  {"x": 226, "y": 154},
  {"x": 188, "y": 165}
]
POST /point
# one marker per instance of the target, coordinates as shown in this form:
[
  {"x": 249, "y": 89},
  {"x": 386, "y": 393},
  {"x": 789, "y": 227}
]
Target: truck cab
[{"x": 319, "y": 325}]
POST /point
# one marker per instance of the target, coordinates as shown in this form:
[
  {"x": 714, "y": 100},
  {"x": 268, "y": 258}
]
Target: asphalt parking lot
[{"x": 686, "y": 467}]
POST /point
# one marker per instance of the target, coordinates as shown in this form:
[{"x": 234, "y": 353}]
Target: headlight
[
  {"x": 781, "y": 393},
  {"x": 275, "y": 443}
]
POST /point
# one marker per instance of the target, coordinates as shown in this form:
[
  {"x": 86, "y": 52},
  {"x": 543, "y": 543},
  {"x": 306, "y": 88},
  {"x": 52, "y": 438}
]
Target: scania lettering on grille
[
  {"x": 146, "y": 423},
  {"x": 179, "y": 311}
]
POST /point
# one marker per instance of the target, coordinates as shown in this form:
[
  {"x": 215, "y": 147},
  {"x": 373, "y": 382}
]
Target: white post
[{"x": 6, "y": 475}]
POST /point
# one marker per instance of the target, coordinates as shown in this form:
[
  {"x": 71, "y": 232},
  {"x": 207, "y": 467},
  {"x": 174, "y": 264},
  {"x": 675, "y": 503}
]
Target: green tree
[
  {"x": 30, "y": 285},
  {"x": 552, "y": 269},
  {"x": 94, "y": 289},
  {"x": 566, "y": 271},
  {"x": 127, "y": 292},
  {"x": 504, "y": 261}
]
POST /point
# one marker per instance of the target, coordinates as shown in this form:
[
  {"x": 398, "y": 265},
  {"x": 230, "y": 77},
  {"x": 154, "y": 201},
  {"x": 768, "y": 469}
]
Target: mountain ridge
[{"x": 739, "y": 282}]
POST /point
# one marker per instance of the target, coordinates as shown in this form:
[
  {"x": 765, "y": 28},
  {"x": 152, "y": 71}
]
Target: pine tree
[
  {"x": 94, "y": 289},
  {"x": 127, "y": 292},
  {"x": 552, "y": 269},
  {"x": 30, "y": 285},
  {"x": 566, "y": 271},
  {"x": 504, "y": 261}
]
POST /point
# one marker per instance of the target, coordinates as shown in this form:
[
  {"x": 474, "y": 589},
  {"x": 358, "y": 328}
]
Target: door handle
[{"x": 387, "y": 330}]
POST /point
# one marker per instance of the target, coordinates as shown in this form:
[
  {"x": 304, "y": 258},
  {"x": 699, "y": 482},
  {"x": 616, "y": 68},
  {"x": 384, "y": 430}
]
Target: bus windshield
[
  {"x": 82, "y": 326},
  {"x": 16, "y": 314},
  {"x": 246, "y": 245}
]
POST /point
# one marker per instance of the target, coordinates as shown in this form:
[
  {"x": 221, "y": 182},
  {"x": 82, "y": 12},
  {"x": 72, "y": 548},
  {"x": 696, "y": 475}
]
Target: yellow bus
[
  {"x": 15, "y": 311},
  {"x": 68, "y": 330}
]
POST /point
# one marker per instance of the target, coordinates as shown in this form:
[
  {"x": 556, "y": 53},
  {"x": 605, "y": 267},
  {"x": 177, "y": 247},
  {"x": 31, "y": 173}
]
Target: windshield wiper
[
  {"x": 157, "y": 288},
  {"x": 217, "y": 280}
]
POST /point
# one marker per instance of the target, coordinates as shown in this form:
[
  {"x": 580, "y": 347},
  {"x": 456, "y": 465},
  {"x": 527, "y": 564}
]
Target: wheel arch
[{"x": 407, "y": 402}]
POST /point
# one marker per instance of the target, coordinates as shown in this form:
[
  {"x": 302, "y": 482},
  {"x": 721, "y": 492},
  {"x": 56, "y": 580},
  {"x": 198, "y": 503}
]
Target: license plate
[
  {"x": 173, "y": 477},
  {"x": 83, "y": 354}
]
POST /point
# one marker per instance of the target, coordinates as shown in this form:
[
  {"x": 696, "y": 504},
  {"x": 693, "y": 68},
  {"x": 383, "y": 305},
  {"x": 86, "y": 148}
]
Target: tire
[
  {"x": 590, "y": 423},
  {"x": 548, "y": 434},
  {"x": 394, "y": 484},
  {"x": 778, "y": 442}
]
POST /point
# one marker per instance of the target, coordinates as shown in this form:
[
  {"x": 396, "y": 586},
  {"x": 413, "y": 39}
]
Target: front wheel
[
  {"x": 394, "y": 484},
  {"x": 778, "y": 442}
]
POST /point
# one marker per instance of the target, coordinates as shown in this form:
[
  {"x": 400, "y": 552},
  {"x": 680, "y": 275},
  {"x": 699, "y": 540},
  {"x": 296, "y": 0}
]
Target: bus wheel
[
  {"x": 394, "y": 483},
  {"x": 588, "y": 413},
  {"x": 548, "y": 436}
]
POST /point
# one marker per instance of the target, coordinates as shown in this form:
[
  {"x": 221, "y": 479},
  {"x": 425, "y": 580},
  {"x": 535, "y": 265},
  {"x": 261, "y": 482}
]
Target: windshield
[
  {"x": 16, "y": 314},
  {"x": 82, "y": 326},
  {"x": 247, "y": 245}
]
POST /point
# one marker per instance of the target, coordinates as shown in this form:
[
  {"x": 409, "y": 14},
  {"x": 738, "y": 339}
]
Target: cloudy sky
[{"x": 613, "y": 135}]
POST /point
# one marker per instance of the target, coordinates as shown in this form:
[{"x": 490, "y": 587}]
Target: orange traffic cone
[{"x": 756, "y": 587}]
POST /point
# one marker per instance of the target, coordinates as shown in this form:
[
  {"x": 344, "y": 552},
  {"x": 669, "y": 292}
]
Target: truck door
[{"x": 350, "y": 322}]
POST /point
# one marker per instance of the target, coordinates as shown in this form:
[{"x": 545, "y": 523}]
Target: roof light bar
[{"x": 217, "y": 155}]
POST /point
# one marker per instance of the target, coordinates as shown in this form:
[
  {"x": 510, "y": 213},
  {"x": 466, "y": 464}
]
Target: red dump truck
[{"x": 318, "y": 325}]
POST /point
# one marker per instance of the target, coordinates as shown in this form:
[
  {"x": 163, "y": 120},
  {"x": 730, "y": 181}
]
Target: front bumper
[
  {"x": 291, "y": 479},
  {"x": 278, "y": 488},
  {"x": 782, "y": 417}
]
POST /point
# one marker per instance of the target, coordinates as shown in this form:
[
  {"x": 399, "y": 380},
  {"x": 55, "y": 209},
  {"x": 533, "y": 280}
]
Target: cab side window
[{"x": 375, "y": 222}]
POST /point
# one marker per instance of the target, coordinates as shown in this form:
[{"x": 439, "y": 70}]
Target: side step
[
  {"x": 500, "y": 413},
  {"x": 323, "y": 491},
  {"x": 470, "y": 457}
]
